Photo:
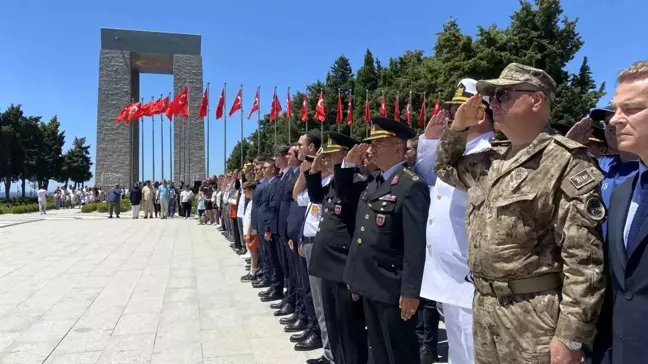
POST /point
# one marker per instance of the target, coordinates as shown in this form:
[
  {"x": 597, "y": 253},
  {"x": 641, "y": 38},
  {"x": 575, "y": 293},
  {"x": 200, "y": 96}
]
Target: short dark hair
[
  {"x": 314, "y": 138},
  {"x": 282, "y": 150},
  {"x": 249, "y": 186}
]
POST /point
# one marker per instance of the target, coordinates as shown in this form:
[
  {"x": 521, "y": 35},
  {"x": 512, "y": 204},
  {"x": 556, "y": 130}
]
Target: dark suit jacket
[
  {"x": 623, "y": 323},
  {"x": 269, "y": 207},
  {"x": 256, "y": 218},
  {"x": 387, "y": 252},
  {"x": 285, "y": 201}
]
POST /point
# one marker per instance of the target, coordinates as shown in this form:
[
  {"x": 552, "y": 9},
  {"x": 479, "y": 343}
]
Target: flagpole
[
  {"x": 424, "y": 110},
  {"x": 322, "y": 122},
  {"x": 142, "y": 133},
  {"x": 307, "y": 112},
  {"x": 170, "y": 144},
  {"x": 409, "y": 107},
  {"x": 241, "y": 125},
  {"x": 188, "y": 141},
  {"x": 153, "y": 141},
  {"x": 259, "y": 122},
  {"x": 272, "y": 107},
  {"x": 287, "y": 114},
  {"x": 367, "y": 101},
  {"x": 207, "y": 129},
  {"x": 224, "y": 129},
  {"x": 162, "y": 143},
  {"x": 336, "y": 106},
  {"x": 351, "y": 102}
]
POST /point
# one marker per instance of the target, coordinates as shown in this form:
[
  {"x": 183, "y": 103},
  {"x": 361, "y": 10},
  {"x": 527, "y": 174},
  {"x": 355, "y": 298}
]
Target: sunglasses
[{"x": 502, "y": 95}]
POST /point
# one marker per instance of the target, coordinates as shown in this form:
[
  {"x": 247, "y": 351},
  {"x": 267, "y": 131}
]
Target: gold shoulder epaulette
[{"x": 411, "y": 174}]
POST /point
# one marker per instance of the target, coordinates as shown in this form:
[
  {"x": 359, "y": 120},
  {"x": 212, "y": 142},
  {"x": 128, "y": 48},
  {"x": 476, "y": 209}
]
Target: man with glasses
[{"x": 533, "y": 222}]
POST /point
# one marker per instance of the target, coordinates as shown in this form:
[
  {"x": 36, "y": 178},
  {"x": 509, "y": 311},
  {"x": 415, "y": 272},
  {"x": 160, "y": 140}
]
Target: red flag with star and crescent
[
  {"x": 320, "y": 112},
  {"x": 275, "y": 107},
  {"x": 220, "y": 108},
  {"x": 134, "y": 111},
  {"x": 349, "y": 118},
  {"x": 204, "y": 103},
  {"x": 147, "y": 109},
  {"x": 123, "y": 114},
  {"x": 180, "y": 104},
  {"x": 408, "y": 112},
  {"x": 304, "y": 109},
  {"x": 383, "y": 107},
  {"x": 289, "y": 105},
  {"x": 238, "y": 103},
  {"x": 338, "y": 115},
  {"x": 396, "y": 109},
  {"x": 255, "y": 105},
  {"x": 367, "y": 110},
  {"x": 437, "y": 106},
  {"x": 422, "y": 114}
]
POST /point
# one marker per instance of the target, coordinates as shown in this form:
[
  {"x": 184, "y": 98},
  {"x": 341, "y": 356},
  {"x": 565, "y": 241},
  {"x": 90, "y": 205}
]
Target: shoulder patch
[
  {"x": 411, "y": 174},
  {"x": 359, "y": 177},
  {"x": 566, "y": 142},
  {"x": 595, "y": 209},
  {"x": 581, "y": 179}
]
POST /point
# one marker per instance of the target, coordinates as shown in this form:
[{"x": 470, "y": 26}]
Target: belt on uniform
[
  {"x": 308, "y": 240},
  {"x": 502, "y": 289}
]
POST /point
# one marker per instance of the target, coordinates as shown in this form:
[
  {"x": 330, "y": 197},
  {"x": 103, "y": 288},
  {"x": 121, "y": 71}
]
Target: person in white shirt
[
  {"x": 42, "y": 200},
  {"x": 446, "y": 275},
  {"x": 186, "y": 198}
]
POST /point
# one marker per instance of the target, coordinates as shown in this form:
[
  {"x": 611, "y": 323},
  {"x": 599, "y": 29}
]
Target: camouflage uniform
[{"x": 535, "y": 250}]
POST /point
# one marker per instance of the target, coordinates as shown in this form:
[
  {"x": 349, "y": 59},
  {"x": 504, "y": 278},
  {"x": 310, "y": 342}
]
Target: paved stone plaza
[{"x": 83, "y": 289}]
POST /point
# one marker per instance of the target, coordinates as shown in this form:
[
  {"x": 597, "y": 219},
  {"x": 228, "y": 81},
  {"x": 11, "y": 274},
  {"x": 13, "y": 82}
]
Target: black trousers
[
  {"x": 345, "y": 324},
  {"x": 392, "y": 340},
  {"x": 277, "y": 280},
  {"x": 288, "y": 270},
  {"x": 300, "y": 304},
  {"x": 427, "y": 327},
  {"x": 309, "y": 307},
  {"x": 186, "y": 209},
  {"x": 156, "y": 207},
  {"x": 235, "y": 233}
]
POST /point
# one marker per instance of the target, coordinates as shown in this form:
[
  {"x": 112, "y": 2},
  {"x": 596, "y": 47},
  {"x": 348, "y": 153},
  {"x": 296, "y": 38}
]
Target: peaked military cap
[
  {"x": 338, "y": 142},
  {"x": 516, "y": 74},
  {"x": 598, "y": 135},
  {"x": 386, "y": 128},
  {"x": 602, "y": 114},
  {"x": 561, "y": 129},
  {"x": 466, "y": 89}
]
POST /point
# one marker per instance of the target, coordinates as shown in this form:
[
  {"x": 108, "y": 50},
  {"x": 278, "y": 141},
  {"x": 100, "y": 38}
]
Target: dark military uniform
[
  {"x": 387, "y": 253},
  {"x": 345, "y": 322}
]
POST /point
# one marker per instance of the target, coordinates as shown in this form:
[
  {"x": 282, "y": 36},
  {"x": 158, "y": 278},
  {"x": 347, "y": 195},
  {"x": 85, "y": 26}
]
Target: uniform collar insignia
[{"x": 395, "y": 179}]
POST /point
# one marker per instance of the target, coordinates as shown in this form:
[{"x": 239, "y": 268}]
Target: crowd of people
[{"x": 529, "y": 246}]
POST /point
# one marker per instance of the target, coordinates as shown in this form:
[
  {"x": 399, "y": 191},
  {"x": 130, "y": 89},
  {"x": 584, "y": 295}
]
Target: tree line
[
  {"x": 32, "y": 150},
  {"x": 539, "y": 35}
]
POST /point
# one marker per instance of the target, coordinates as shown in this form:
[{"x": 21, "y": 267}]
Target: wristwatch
[{"x": 571, "y": 345}]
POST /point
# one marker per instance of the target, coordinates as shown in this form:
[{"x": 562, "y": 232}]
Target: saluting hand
[
  {"x": 468, "y": 114},
  {"x": 436, "y": 124},
  {"x": 581, "y": 131},
  {"x": 305, "y": 166},
  {"x": 408, "y": 307},
  {"x": 356, "y": 153},
  {"x": 316, "y": 166}
]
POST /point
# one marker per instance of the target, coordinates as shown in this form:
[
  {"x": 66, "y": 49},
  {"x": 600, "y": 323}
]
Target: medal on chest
[
  {"x": 380, "y": 220},
  {"x": 517, "y": 176},
  {"x": 338, "y": 209},
  {"x": 314, "y": 210}
]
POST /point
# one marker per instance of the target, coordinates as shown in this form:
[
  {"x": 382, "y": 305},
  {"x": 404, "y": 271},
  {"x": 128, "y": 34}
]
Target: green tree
[
  {"x": 234, "y": 161},
  {"x": 77, "y": 162},
  {"x": 49, "y": 158}
]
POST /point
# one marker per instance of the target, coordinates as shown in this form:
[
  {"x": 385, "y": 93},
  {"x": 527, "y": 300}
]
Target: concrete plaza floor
[{"x": 83, "y": 289}]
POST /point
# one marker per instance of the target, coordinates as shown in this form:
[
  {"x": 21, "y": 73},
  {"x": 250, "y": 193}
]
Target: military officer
[
  {"x": 344, "y": 318},
  {"x": 387, "y": 254},
  {"x": 533, "y": 221}
]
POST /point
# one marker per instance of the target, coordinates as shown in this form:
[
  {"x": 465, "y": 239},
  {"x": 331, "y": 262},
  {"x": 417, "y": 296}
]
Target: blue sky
[{"x": 50, "y": 56}]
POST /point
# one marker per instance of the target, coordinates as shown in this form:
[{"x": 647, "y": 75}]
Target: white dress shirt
[
  {"x": 634, "y": 203},
  {"x": 240, "y": 207},
  {"x": 313, "y": 211},
  {"x": 247, "y": 217},
  {"x": 446, "y": 261}
]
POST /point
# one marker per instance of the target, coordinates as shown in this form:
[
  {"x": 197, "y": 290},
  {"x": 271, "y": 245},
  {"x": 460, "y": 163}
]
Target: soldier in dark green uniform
[{"x": 385, "y": 262}]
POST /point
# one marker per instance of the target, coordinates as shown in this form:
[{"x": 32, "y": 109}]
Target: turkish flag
[
  {"x": 275, "y": 107},
  {"x": 238, "y": 103},
  {"x": 408, "y": 112},
  {"x": 289, "y": 105},
  {"x": 123, "y": 114},
  {"x": 204, "y": 104},
  {"x": 147, "y": 109},
  {"x": 349, "y": 118},
  {"x": 304, "y": 109},
  {"x": 255, "y": 105},
  {"x": 396, "y": 109},
  {"x": 367, "y": 111},
  {"x": 338, "y": 116},
  {"x": 422, "y": 114},
  {"x": 437, "y": 106},
  {"x": 134, "y": 112},
  {"x": 161, "y": 105},
  {"x": 383, "y": 107},
  {"x": 180, "y": 104},
  {"x": 320, "y": 113},
  {"x": 220, "y": 108}
]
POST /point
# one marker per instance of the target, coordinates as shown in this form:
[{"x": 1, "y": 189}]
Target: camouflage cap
[{"x": 515, "y": 74}]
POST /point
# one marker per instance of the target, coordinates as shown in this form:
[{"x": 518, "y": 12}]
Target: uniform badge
[
  {"x": 387, "y": 198},
  {"x": 395, "y": 179},
  {"x": 517, "y": 176},
  {"x": 581, "y": 179},
  {"x": 380, "y": 220},
  {"x": 595, "y": 209},
  {"x": 338, "y": 209},
  {"x": 314, "y": 210}
]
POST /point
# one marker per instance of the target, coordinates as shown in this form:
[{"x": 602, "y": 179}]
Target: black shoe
[
  {"x": 272, "y": 297},
  {"x": 248, "y": 260},
  {"x": 278, "y": 305},
  {"x": 320, "y": 360},
  {"x": 118, "y": 216},
  {"x": 241, "y": 251},
  {"x": 267, "y": 292},
  {"x": 262, "y": 284},
  {"x": 248, "y": 267},
  {"x": 290, "y": 319},
  {"x": 285, "y": 310},
  {"x": 428, "y": 357},
  {"x": 246, "y": 278},
  {"x": 296, "y": 326},
  {"x": 110, "y": 217},
  {"x": 300, "y": 337},
  {"x": 233, "y": 246},
  {"x": 312, "y": 342}
]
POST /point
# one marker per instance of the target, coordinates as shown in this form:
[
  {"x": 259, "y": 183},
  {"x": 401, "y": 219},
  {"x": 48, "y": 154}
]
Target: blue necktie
[{"x": 641, "y": 215}]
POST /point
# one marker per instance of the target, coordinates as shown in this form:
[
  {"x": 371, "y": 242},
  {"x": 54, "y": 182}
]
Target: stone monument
[{"x": 124, "y": 55}]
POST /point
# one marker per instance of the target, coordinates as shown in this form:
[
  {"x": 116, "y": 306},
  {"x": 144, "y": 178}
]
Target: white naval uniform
[{"x": 446, "y": 261}]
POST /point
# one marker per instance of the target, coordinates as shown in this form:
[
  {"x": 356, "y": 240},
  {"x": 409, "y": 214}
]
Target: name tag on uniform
[
  {"x": 387, "y": 198},
  {"x": 380, "y": 219},
  {"x": 314, "y": 210}
]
